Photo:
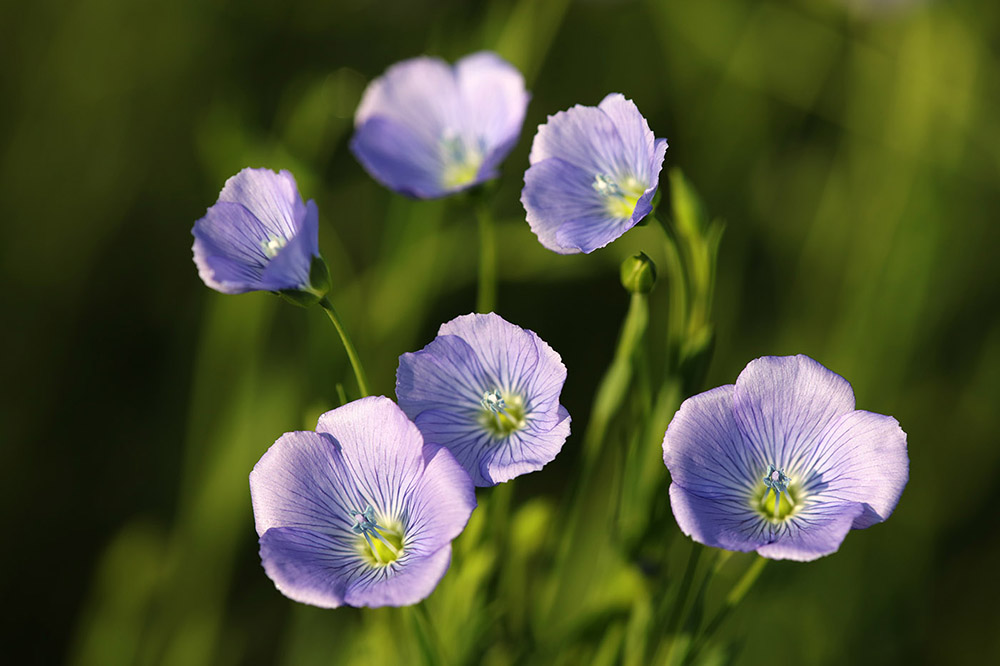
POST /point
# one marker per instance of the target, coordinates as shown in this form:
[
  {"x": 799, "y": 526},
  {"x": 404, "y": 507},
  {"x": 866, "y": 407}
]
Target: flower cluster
[{"x": 362, "y": 511}]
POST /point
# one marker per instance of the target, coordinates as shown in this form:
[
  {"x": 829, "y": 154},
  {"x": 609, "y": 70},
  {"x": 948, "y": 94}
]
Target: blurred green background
[{"x": 852, "y": 147}]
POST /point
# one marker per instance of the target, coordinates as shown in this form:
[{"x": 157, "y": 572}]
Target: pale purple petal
[
  {"x": 812, "y": 533},
  {"x": 302, "y": 481},
  {"x": 637, "y": 140},
  {"x": 720, "y": 522},
  {"x": 447, "y": 366},
  {"x": 382, "y": 449},
  {"x": 304, "y": 565},
  {"x": 273, "y": 198},
  {"x": 783, "y": 403},
  {"x": 412, "y": 583},
  {"x": 862, "y": 458},
  {"x": 399, "y": 157},
  {"x": 420, "y": 93},
  {"x": 587, "y": 234},
  {"x": 522, "y": 361},
  {"x": 583, "y": 136},
  {"x": 557, "y": 193},
  {"x": 495, "y": 102},
  {"x": 705, "y": 451}
]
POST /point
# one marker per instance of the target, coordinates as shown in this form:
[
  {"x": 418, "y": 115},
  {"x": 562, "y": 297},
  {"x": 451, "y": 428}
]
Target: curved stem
[
  {"x": 486, "y": 296},
  {"x": 352, "y": 354}
]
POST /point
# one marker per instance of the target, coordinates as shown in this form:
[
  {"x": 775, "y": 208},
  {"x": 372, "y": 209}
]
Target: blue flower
[
  {"x": 489, "y": 391},
  {"x": 781, "y": 462},
  {"x": 426, "y": 129},
  {"x": 258, "y": 235},
  {"x": 361, "y": 512},
  {"x": 593, "y": 175}
]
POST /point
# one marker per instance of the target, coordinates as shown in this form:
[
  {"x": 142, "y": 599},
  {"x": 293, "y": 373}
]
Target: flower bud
[{"x": 638, "y": 274}]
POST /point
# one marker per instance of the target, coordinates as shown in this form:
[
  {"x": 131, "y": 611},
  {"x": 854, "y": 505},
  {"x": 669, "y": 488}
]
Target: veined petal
[
  {"x": 584, "y": 136},
  {"x": 861, "y": 457},
  {"x": 556, "y": 192},
  {"x": 447, "y": 372},
  {"x": 636, "y": 137},
  {"x": 522, "y": 361},
  {"x": 705, "y": 451},
  {"x": 305, "y": 566},
  {"x": 302, "y": 482},
  {"x": 588, "y": 234},
  {"x": 292, "y": 263},
  {"x": 409, "y": 583},
  {"x": 273, "y": 198},
  {"x": 813, "y": 532},
  {"x": 462, "y": 434},
  {"x": 783, "y": 404},
  {"x": 382, "y": 449},
  {"x": 529, "y": 449},
  {"x": 719, "y": 522},
  {"x": 227, "y": 248}
]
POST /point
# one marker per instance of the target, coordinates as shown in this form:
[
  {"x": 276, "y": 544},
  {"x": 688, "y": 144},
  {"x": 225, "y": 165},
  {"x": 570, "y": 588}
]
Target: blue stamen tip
[{"x": 493, "y": 401}]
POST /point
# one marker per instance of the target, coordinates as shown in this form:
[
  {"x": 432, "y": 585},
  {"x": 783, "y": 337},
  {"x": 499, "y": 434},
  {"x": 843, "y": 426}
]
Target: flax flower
[
  {"x": 593, "y": 174},
  {"x": 489, "y": 391},
  {"x": 259, "y": 235},
  {"x": 426, "y": 129},
  {"x": 361, "y": 512},
  {"x": 781, "y": 462}
]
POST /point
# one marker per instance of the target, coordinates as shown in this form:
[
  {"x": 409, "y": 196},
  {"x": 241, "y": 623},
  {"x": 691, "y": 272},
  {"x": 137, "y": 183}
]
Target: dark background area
[{"x": 852, "y": 148}]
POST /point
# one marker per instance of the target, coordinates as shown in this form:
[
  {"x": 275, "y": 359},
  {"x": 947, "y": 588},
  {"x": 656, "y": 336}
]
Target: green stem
[
  {"x": 687, "y": 582},
  {"x": 352, "y": 354},
  {"x": 486, "y": 297},
  {"x": 733, "y": 599},
  {"x": 614, "y": 385},
  {"x": 678, "y": 319},
  {"x": 427, "y": 639}
]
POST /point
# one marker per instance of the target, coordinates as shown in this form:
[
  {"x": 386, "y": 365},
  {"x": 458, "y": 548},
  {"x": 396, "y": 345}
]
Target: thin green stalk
[
  {"x": 687, "y": 582},
  {"x": 427, "y": 638},
  {"x": 352, "y": 354},
  {"x": 614, "y": 385},
  {"x": 733, "y": 599},
  {"x": 677, "y": 278},
  {"x": 486, "y": 296}
]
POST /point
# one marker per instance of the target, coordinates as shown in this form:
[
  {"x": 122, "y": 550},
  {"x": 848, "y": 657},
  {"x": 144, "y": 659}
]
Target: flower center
[
  {"x": 784, "y": 501},
  {"x": 272, "y": 246},
  {"x": 381, "y": 545},
  {"x": 461, "y": 161},
  {"x": 501, "y": 414},
  {"x": 620, "y": 197}
]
